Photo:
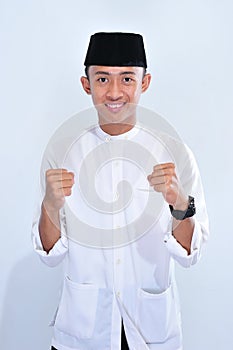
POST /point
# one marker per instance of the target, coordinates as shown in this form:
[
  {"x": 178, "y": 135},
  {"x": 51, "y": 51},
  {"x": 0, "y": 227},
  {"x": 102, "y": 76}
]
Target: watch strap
[{"x": 184, "y": 214}]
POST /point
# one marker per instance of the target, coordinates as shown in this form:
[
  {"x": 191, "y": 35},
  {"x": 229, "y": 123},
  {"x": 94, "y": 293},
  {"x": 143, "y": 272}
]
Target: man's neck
[{"x": 116, "y": 128}]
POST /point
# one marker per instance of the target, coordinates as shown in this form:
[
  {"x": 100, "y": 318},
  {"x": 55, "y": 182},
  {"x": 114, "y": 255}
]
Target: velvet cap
[{"x": 116, "y": 49}]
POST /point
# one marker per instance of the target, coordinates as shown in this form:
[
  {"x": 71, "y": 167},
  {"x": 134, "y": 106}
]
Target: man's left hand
[{"x": 164, "y": 180}]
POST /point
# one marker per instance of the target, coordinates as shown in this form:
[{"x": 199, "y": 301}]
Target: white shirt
[{"x": 117, "y": 242}]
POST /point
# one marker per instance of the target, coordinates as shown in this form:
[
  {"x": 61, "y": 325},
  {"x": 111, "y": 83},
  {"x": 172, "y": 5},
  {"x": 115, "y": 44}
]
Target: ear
[
  {"x": 146, "y": 82},
  {"x": 86, "y": 85}
]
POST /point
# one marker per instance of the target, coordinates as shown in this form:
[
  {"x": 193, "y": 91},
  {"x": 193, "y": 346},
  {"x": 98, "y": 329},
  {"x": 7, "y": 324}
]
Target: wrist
[
  {"x": 181, "y": 204},
  {"x": 48, "y": 209}
]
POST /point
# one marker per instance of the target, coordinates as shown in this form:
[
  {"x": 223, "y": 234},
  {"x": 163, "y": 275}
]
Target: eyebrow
[{"x": 107, "y": 73}]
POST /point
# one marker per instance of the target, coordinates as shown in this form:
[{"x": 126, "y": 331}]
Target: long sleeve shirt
[{"x": 117, "y": 243}]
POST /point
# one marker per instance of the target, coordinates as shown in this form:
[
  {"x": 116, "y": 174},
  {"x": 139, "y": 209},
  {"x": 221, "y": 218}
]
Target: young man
[{"x": 119, "y": 290}]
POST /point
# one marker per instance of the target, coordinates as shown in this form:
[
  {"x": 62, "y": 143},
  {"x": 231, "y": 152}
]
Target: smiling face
[{"x": 115, "y": 93}]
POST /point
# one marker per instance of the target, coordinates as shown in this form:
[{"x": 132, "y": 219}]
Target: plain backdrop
[{"x": 190, "y": 55}]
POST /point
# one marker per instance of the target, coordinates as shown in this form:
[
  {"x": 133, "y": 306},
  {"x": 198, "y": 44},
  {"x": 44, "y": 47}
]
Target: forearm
[
  {"x": 49, "y": 228},
  {"x": 183, "y": 232}
]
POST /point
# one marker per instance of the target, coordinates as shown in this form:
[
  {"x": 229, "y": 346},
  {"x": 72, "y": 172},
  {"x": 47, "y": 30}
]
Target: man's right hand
[{"x": 59, "y": 183}]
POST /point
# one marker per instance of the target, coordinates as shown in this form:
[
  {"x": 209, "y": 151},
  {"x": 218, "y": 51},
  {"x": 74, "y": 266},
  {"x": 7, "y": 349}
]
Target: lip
[{"x": 115, "y": 107}]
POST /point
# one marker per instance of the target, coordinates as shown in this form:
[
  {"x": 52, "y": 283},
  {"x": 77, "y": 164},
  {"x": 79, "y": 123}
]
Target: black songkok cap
[{"x": 116, "y": 49}]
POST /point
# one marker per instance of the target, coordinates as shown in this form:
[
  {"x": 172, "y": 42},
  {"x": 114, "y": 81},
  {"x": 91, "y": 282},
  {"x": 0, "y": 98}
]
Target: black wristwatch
[{"x": 183, "y": 214}]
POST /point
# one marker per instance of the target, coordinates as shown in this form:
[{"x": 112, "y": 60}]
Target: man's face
[{"x": 115, "y": 91}]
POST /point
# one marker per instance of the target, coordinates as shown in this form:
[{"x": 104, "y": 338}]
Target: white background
[{"x": 190, "y": 55}]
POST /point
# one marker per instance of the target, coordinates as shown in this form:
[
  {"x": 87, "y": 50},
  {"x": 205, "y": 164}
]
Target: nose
[{"x": 114, "y": 92}]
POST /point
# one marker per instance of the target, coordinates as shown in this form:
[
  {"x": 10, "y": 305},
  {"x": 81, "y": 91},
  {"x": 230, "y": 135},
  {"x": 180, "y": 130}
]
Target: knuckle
[
  {"x": 157, "y": 188},
  {"x": 47, "y": 174},
  {"x": 49, "y": 179},
  {"x": 68, "y": 192}
]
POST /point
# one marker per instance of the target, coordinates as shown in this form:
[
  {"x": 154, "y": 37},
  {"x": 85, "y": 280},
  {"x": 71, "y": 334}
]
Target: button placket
[{"x": 118, "y": 266}]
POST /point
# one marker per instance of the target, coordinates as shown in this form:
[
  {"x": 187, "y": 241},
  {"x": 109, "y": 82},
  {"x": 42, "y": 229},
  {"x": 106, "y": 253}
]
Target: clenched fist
[
  {"x": 164, "y": 180},
  {"x": 59, "y": 183}
]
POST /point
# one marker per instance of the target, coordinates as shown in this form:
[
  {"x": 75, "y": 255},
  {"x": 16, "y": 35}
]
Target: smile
[{"x": 115, "y": 106}]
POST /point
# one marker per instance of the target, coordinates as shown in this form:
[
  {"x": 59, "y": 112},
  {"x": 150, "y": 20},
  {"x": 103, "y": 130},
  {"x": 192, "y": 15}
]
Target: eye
[
  {"x": 127, "y": 79},
  {"x": 102, "y": 80}
]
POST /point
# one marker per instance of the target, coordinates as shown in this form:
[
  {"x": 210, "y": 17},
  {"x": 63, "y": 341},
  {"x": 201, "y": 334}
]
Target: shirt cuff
[
  {"x": 179, "y": 253},
  {"x": 56, "y": 254}
]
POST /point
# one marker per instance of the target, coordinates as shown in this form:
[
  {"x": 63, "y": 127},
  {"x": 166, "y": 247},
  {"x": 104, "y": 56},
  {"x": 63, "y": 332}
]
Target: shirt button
[
  {"x": 118, "y": 261},
  {"x": 118, "y": 294},
  {"x": 107, "y": 139}
]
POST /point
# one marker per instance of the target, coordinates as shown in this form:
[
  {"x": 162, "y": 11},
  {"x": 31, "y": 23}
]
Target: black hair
[{"x": 86, "y": 72}]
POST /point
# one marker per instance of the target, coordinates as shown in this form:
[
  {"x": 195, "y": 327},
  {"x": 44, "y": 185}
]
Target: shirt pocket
[
  {"x": 156, "y": 315},
  {"x": 77, "y": 309}
]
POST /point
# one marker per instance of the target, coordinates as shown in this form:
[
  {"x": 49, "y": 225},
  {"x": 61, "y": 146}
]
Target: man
[{"x": 119, "y": 290}]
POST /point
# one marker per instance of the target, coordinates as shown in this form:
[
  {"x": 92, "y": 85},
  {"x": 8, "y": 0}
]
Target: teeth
[{"x": 118, "y": 105}]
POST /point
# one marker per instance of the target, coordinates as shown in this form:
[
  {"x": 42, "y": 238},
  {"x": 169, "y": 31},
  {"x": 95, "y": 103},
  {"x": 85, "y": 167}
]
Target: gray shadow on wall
[{"x": 30, "y": 301}]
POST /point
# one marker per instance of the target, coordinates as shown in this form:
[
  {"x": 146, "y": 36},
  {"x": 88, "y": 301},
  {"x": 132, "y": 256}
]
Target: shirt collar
[{"x": 125, "y": 136}]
